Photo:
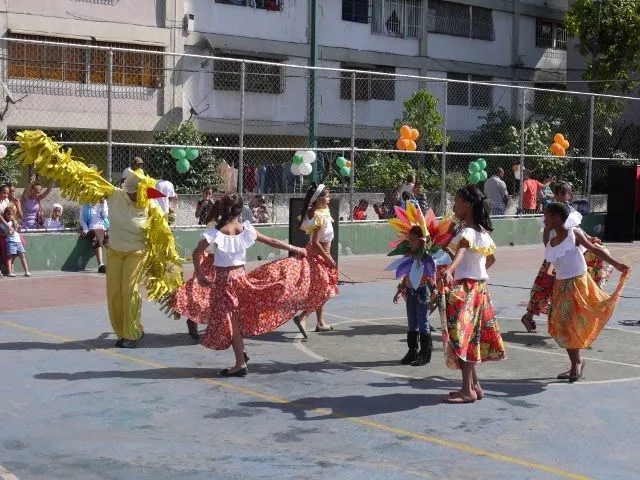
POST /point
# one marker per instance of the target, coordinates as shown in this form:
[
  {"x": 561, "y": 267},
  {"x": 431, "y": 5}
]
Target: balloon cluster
[
  {"x": 301, "y": 163},
  {"x": 408, "y": 137},
  {"x": 344, "y": 165},
  {"x": 477, "y": 171},
  {"x": 559, "y": 146},
  {"x": 183, "y": 156},
  {"x": 3, "y": 151}
]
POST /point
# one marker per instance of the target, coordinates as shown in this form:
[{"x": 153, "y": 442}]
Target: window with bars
[
  {"x": 83, "y": 65},
  {"x": 355, "y": 11},
  {"x": 271, "y": 5},
  {"x": 469, "y": 94},
  {"x": 550, "y": 35},
  {"x": 398, "y": 18},
  {"x": 259, "y": 78},
  {"x": 369, "y": 86},
  {"x": 452, "y": 18}
]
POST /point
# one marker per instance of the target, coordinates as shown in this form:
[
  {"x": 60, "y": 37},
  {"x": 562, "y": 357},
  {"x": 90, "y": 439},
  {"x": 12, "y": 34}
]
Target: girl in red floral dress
[
  {"x": 242, "y": 305},
  {"x": 316, "y": 221},
  {"x": 470, "y": 334}
]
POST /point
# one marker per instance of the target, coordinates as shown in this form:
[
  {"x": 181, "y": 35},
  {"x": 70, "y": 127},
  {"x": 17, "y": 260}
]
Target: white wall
[
  {"x": 335, "y": 32},
  {"x": 287, "y": 25},
  {"x": 497, "y": 52},
  {"x": 535, "y": 57}
]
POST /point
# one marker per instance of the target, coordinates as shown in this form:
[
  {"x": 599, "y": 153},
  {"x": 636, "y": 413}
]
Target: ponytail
[
  {"x": 230, "y": 207},
  {"x": 307, "y": 202},
  {"x": 214, "y": 212},
  {"x": 480, "y": 206}
]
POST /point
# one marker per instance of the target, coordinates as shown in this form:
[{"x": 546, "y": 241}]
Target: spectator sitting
[
  {"x": 53, "y": 222},
  {"x": 409, "y": 183},
  {"x": 420, "y": 197},
  {"x": 94, "y": 220},
  {"x": 204, "y": 205},
  {"x": 15, "y": 248},
  {"x": 381, "y": 210},
  {"x": 261, "y": 214},
  {"x": 360, "y": 211}
]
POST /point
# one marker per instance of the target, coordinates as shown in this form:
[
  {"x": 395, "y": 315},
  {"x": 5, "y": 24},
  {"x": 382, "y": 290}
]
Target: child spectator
[
  {"x": 204, "y": 205},
  {"x": 261, "y": 214},
  {"x": 409, "y": 183},
  {"x": 94, "y": 220},
  {"x": 16, "y": 202},
  {"x": 360, "y": 212},
  {"x": 381, "y": 210},
  {"x": 420, "y": 197},
  {"x": 14, "y": 242},
  {"x": 53, "y": 222}
]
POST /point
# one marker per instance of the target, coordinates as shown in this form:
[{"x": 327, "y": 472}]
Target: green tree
[
  {"x": 421, "y": 112},
  {"x": 203, "y": 171},
  {"x": 10, "y": 170},
  {"x": 615, "y": 42}
]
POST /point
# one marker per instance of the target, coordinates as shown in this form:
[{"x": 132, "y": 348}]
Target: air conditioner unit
[{"x": 188, "y": 22}]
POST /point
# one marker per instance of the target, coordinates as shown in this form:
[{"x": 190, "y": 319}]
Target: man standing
[{"x": 496, "y": 191}]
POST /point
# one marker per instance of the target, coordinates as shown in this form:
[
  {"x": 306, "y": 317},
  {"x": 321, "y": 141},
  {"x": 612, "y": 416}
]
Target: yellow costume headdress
[{"x": 161, "y": 269}]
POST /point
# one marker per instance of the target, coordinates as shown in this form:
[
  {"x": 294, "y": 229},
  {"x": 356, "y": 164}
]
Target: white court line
[
  {"x": 6, "y": 474},
  {"x": 511, "y": 345}
]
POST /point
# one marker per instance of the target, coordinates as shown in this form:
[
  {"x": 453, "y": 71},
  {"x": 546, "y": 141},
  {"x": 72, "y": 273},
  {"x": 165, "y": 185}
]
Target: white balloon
[
  {"x": 305, "y": 168},
  {"x": 3, "y": 151},
  {"x": 309, "y": 156},
  {"x": 299, "y": 153},
  {"x": 295, "y": 169}
]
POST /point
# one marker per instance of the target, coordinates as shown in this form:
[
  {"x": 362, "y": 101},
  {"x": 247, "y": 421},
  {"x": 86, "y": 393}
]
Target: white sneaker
[
  {"x": 27, "y": 274},
  {"x": 11, "y": 274}
]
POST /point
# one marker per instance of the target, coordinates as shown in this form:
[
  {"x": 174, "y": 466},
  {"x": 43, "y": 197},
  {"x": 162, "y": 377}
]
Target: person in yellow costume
[{"x": 142, "y": 247}]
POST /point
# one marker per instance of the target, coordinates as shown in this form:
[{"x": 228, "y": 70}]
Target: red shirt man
[{"x": 530, "y": 189}]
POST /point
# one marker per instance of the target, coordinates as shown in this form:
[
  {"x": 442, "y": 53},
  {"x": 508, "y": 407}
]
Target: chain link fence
[{"x": 248, "y": 116}]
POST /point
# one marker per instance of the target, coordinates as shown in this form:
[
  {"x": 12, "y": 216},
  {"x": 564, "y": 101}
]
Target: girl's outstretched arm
[
  {"x": 598, "y": 251},
  {"x": 275, "y": 243}
]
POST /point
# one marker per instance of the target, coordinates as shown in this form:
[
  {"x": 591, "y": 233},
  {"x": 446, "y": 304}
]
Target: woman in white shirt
[
  {"x": 579, "y": 308},
  {"x": 471, "y": 334},
  {"x": 94, "y": 220},
  {"x": 242, "y": 305}
]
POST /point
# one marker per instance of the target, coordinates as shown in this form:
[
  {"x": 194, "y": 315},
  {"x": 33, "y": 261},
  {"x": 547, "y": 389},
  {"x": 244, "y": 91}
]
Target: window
[
  {"x": 460, "y": 20},
  {"x": 77, "y": 64},
  {"x": 259, "y": 78},
  {"x": 355, "y": 11},
  {"x": 550, "y": 35},
  {"x": 398, "y": 18},
  {"x": 369, "y": 86},
  {"x": 271, "y": 5},
  {"x": 469, "y": 94}
]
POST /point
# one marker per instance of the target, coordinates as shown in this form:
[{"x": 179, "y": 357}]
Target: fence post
[
  {"x": 443, "y": 172},
  {"x": 592, "y": 108},
  {"x": 353, "y": 143},
  {"x": 109, "y": 114},
  {"x": 523, "y": 119},
  {"x": 241, "y": 139}
]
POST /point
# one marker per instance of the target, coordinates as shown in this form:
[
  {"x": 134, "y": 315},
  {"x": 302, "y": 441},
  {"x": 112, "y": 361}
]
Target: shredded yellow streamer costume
[{"x": 142, "y": 247}]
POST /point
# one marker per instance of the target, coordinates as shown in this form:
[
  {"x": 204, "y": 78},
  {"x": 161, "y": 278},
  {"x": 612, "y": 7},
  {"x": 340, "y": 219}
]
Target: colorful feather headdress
[{"x": 423, "y": 262}]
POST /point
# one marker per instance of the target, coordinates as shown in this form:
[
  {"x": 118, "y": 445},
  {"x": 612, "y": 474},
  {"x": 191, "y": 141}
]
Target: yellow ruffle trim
[
  {"x": 161, "y": 269},
  {"x": 486, "y": 248},
  {"x": 320, "y": 218}
]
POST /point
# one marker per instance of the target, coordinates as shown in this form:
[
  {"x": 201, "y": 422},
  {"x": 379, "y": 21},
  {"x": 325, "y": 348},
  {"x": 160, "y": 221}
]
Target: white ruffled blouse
[
  {"x": 474, "y": 262},
  {"x": 566, "y": 257},
  {"x": 230, "y": 250}
]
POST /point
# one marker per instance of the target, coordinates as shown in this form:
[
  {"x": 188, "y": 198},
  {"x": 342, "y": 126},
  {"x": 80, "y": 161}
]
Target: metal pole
[
  {"x": 443, "y": 173},
  {"x": 241, "y": 139},
  {"x": 523, "y": 118},
  {"x": 109, "y": 114},
  {"x": 313, "y": 58},
  {"x": 353, "y": 143},
  {"x": 592, "y": 107}
]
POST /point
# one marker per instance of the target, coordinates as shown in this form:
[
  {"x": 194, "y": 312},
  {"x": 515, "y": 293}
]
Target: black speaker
[
  {"x": 623, "y": 201},
  {"x": 300, "y": 239}
]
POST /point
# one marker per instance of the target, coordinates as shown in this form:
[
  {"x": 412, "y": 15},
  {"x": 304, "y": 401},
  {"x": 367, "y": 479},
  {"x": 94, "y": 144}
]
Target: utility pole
[{"x": 313, "y": 59}]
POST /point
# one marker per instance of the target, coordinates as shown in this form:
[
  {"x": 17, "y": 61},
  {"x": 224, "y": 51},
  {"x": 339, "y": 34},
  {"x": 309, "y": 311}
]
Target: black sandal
[
  {"x": 298, "y": 321},
  {"x": 577, "y": 377},
  {"x": 192, "y": 327}
]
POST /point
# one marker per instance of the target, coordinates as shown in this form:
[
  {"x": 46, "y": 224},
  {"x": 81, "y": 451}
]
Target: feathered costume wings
[
  {"x": 161, "y": 268},
  {"x": 422, "y": 263}
]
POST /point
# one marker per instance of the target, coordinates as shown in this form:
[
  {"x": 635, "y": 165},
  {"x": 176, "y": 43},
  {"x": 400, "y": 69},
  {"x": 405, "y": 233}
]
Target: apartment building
[{"x": 64, "y": 88}]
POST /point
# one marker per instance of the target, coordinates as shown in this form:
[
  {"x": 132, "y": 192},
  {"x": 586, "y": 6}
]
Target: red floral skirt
[
  {"x": 470, "y": 331},
  {"x": 259, "y": 301},
  {"x": 542, "y": 289}
]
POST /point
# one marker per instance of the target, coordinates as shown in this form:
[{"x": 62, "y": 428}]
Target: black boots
[
  {"x": 426, "y": 347},
  {"x": 412, "y": 354}
]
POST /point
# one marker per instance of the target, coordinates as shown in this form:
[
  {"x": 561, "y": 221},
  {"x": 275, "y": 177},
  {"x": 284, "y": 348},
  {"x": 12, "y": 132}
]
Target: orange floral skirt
[
  {"x": 259, "y": 301},
  {"x": 580, "y": 309},
  {"x": 470, "y": 331}
]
